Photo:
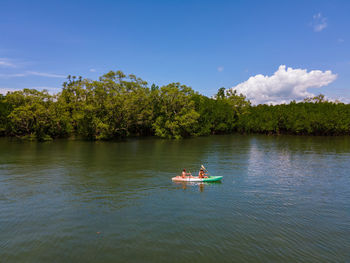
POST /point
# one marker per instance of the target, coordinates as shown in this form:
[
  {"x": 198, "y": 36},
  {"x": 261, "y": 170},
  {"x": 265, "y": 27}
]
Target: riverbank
[{"x": 33, "y": 138}]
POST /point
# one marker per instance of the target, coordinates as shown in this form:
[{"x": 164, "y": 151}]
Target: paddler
[
  {"x": 202, "y": 174},
  {"x": 184, "y": 173}
]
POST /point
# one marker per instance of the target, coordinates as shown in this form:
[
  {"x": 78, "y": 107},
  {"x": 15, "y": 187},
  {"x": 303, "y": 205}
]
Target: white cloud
[
  {"x": 6, "y": 63},
  {"x": 5, "y": 90},
  {"x": 32, "y": 73},
  {"x": 42, "y": 74},
  {"x": 92, "y": 70},
  {"x": 13, "y": 75},
  {"x": 317, "y": 16},
  {"x": 221, "y": 68},
  {"x": 319, "y": 22},
  {"x": 284, "y": 85}
]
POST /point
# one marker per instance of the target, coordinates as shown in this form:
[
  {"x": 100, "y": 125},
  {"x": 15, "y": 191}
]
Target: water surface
[{"x": 282, "y": 199}]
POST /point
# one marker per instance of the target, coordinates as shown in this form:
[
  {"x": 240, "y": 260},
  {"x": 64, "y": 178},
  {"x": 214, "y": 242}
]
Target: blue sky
[{"x": 203, "y": 44}]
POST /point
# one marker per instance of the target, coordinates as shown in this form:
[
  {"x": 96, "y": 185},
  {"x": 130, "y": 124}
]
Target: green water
[{"x": 282, "y": 199}]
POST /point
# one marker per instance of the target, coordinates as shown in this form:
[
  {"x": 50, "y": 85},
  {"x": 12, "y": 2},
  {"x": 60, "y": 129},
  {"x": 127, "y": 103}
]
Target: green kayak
[{"x": 196, "y": 179}]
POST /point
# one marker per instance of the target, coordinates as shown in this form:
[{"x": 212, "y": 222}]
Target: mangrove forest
[{"x": 117, "y": 106}]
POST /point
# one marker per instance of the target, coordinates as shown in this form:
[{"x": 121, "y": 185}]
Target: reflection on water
[
  {"x": 282, "y": 198},
  {"x": 198, "y": 185}
]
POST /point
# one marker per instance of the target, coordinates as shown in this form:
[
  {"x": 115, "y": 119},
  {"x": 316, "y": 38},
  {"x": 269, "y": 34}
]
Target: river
[{"x": 282, "y": 199}]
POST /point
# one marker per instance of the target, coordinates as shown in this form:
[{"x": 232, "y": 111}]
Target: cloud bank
[{"x": 284, "y": 85}]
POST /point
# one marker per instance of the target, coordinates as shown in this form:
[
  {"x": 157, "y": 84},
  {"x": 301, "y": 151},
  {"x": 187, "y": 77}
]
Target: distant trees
[
  {"x": 304, "y": 118},
  {"x": 117, "y": 106}
]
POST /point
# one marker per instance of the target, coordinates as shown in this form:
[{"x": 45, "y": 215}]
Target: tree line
[{"x": 117, "y": 106}]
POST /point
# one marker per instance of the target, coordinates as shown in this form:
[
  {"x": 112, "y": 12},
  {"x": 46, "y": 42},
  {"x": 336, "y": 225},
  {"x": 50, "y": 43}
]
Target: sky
[{"x": 271, "y": 51}]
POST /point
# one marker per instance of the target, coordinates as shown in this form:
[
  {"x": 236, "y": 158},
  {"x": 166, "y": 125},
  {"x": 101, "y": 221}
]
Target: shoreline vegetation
[{"x": 117, "y": 106}]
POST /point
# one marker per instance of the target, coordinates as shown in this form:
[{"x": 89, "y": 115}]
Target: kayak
[{"x": 196, "y": 179}]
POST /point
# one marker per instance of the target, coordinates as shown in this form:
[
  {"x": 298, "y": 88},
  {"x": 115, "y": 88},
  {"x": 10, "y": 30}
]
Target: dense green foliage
[
  {"x": 305, "y": 118},
  {"x": 117, "y": 106}
]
